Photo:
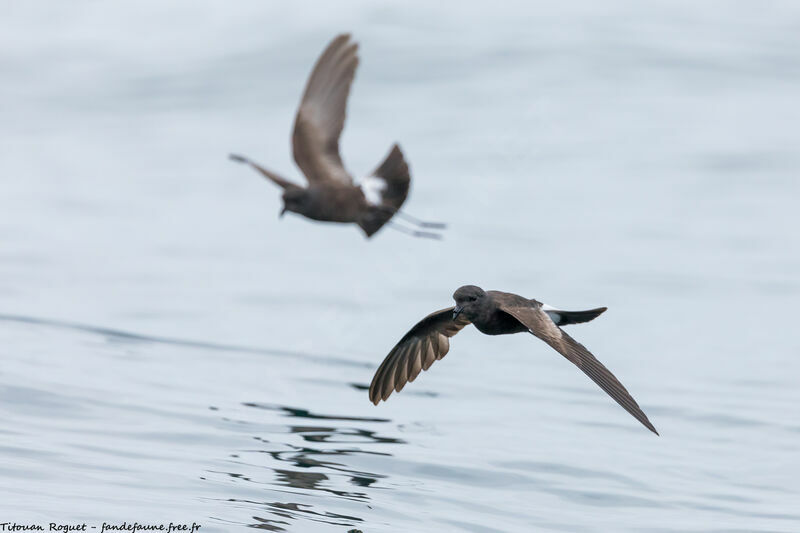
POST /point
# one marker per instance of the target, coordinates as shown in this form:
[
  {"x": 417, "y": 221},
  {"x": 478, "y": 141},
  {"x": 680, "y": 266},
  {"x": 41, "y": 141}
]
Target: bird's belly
[
  {"x": 499, "y": 323},
  {"x": 339, "y": 204},
  {"x": 330, "y": 215}
]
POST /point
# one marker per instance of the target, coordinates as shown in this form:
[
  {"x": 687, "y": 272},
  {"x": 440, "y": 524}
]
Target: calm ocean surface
[{"x": 171, "y": 351}]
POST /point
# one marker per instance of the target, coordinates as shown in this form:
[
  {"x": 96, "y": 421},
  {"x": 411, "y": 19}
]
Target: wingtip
[
  {"x": 238, "y": 158},
  {"x": 388, "y": 392},
  {"x": 344, "y": 38},
  {"x": 374, "y": 397},
  {"x": 649, "y": 425}
]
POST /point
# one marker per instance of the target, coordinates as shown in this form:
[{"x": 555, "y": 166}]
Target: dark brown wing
[
  {"x": 425, "y": 343},
  {"x": 272, "y": 176},
  {"x": 543, "y": 327},
  {"x": 320, "y": 118}
]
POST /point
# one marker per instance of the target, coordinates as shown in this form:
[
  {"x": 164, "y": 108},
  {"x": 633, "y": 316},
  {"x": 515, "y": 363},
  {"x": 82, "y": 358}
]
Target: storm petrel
[
  {"x": 495, "y": 313},
  {"x": 331, "y": 194}
]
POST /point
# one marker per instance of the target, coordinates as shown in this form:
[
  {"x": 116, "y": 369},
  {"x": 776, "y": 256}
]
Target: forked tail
[{"x": 564, "y": 318}]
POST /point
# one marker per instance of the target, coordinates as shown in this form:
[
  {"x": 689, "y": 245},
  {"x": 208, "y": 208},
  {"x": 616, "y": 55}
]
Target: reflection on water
[
  {"x": 325, "y": 470},
  {"x": 295, "y": 511},
  {"x": 304, "y": 413},
  {"x": 116, "y": 335}
]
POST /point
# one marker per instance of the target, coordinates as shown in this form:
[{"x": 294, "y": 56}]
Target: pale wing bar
[{"x": 540, "y": 325}]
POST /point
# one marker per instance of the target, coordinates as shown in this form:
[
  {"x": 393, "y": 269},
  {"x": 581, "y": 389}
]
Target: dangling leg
[
  {"x": 421, "y": 223},
  {"x": 413, "y": 232}
]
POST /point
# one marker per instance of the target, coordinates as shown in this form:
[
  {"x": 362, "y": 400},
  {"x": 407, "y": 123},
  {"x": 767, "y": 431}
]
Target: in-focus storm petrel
[{"x": 495, "y": 313}]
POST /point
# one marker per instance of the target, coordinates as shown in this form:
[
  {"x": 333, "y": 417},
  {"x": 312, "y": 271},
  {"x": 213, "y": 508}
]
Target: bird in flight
[
  {"x": 495, "y": 313},
  {"x": 331, "y": 194}
]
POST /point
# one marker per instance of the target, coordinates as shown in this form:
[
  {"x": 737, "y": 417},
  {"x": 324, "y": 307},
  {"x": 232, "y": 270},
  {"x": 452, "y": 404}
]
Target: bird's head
[
  {"x": 467, "y": 299},
  {"x": 295, "y": 200}
]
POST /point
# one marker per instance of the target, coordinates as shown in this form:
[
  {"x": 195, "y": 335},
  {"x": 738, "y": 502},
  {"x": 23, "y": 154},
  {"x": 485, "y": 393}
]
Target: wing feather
[
  {"x": 540, "y": 324},
  {"x": 430, "y": 353},
  {"x": 320, "y": 118},
  {"x": 425, "y": 343},
  {"x": 415, "y": 362}
]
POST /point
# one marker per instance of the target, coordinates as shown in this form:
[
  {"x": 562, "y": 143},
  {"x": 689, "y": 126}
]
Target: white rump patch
[
  {"x": 552, "y": 312},
  {"x": 373, "y": 188}
]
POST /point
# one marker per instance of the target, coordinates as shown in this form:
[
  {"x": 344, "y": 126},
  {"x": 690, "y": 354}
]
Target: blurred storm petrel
[{"x": 331, "y": 194}]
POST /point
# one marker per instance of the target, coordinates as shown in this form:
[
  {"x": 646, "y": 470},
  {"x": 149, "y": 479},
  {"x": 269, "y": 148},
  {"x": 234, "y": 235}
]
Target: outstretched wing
[
  {"x": 320, "y": 119},
  {"x": 543, "y": 327},
  {"x": 426, "y": 342},
  {"x": 272, "y": 176}
]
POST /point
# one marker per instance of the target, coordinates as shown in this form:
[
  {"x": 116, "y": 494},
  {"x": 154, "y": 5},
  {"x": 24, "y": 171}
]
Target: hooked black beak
[
  {"x": 280, "y": 215},
  {"x": 457, "y": 311}
]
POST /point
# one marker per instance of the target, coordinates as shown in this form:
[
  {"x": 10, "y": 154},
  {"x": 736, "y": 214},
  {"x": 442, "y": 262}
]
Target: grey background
[{"x": 639, "y": 157}]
